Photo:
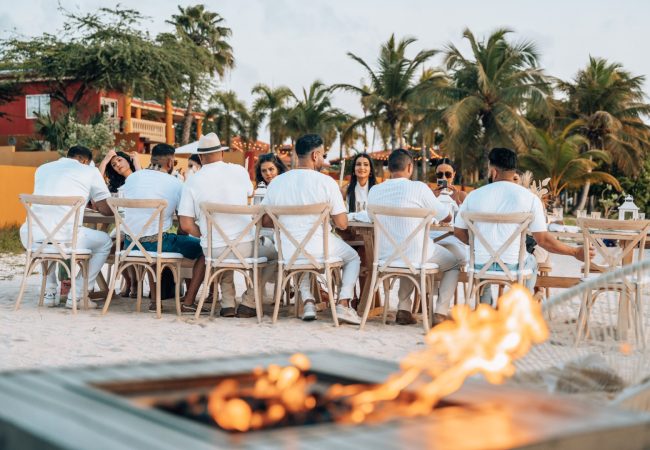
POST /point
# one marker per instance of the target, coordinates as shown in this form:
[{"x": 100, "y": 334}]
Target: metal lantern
[{"x": 628, "y": 210}]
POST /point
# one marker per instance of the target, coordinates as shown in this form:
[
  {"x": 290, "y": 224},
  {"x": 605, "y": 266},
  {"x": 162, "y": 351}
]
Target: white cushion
[
  {"x": 138, "y": 253},
  {"x": 259, "y": 260},
  {"x": 320, "y": 260},
  {"x": 501, "y": 274},
  {"x": 53, "y": 250},
  {"x": 399, "y": 264}
]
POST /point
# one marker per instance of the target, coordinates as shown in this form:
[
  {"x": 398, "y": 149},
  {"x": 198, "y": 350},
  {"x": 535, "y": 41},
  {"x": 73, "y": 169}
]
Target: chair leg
[
  {"x": 44, "y": 270},
  {"x": 28, "y": 269},
  {"x": 258, "y": 293},
  {"x": 583, "y": 317},
  {"x": 369, "y": 299},
  {"x": 177, "y": 290},
  {"x": 424, "y": 296},
  {"x": 139, "y": 276},
  {"x": 277, "y": 298},
  {"x": 387, "y": 286},
  {"x": 84, "y": 269},
  {"x": 206, "y": 291},
  {"x": 73, "y": 282},
  {"x": 111, "y": 288},
  {"x": 158, "y": 293},
  {"x": 217, "y": 283},
  {"x": 328, "y": 278}
]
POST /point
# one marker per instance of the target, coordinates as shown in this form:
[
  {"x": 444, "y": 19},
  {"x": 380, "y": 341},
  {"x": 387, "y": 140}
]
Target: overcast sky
[{"x": 294, "y": 42}]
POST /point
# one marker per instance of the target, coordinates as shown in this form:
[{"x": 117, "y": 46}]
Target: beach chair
[
  {"x": 479, "y": 279},
  {"x": 231, "y": 258},
  {"x": 52, "y": 251},
  {"x": 302, "y": 262},
  {"x": 136, "y": 256},
  {"x": 398, "y": 265},
  {"x": 631, "y": 236}
]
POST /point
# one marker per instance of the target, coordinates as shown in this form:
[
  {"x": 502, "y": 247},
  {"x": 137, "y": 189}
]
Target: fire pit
[{"x": 146, "y": 406}]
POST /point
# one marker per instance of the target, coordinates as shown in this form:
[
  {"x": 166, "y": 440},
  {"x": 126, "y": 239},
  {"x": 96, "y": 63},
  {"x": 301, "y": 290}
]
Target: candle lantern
[{"x": 628, "y": 210}]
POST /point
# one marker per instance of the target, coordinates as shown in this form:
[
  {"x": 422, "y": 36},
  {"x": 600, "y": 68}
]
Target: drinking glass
[
  {"x": 595, "y": 215},
  {"x": 641, "y": 216},
  {"x": 558, "y": 213},
  {"x": 581, "y": 213}
]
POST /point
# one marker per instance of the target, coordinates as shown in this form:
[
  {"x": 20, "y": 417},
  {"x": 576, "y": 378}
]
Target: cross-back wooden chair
[
  {"x": 484, "y": 277},
  {"x": 398, "y": 264},
  {"x": 136, "y": 256},
  {"x": 231, "y": 259},
  {"x": 53, "y": 250},
  {"x": 630, "y": 237},
  {"x": 303, "y": 262}
]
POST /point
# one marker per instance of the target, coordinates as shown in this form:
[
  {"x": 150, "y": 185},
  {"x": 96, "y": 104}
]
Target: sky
[{"x": 294, "y": 42}]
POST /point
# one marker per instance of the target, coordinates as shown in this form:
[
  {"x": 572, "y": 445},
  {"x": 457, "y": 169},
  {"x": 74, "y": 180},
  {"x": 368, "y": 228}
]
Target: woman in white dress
[{"x": 363, "y": 178}]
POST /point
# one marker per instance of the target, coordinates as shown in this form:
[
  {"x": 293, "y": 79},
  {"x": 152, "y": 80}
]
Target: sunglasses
[{"x": 444, "y": 174}]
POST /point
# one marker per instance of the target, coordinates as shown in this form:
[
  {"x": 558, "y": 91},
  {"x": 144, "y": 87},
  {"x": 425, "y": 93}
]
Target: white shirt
[
  {"x": 65, "y": 177},
  {"x": 304, "y": 187},
  {"x": 501, "y": 197},
  {"x": 361, "y": 197},
  {"x": 404, "y": 193},
  {"x": 151, "y": 184},
  {"x": 218, "y": 182}
]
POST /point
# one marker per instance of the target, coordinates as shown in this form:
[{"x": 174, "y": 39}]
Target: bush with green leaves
[{"x": 98, "y": 136}]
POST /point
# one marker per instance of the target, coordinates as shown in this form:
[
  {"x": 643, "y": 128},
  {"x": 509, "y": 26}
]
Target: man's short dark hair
[
  {"x": 307, "y": 144},
  {"x": 162, "y": 150},
  {"x": 79, "y": 151},
  {"x": 503, "y": 158},
  {"x": 398, "y": 160}
]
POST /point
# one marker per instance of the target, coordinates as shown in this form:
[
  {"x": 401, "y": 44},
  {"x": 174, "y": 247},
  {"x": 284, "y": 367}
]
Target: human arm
[
  {"x": 551, "y": 244},
  {"x": 106, "y": 161},
  {"x": 189, "y": 226},
  {"x": 340, "y": 221},
  {"x": 462, "y": 235},
  {"x": 136, "y": 160},
  {"x": 103, "y": 208}
]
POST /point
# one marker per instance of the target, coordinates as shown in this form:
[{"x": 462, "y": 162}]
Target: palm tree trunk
[
  {"x": 393, "y": 136},
  {"x": 270, "y": 132},
  {"x": 187, "y": 120},
  {"x": 424, "y": 159},
  {"x": 584, "y": 196}
]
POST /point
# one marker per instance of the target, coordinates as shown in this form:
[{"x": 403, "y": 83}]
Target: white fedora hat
[{"x": 210, "y": 143}]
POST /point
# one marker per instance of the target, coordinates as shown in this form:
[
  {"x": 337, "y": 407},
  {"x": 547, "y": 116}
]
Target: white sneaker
[
  {"x": 347, "y": 314},
  {"x": 50, "y": 299},
  {"x": 91, "y": 304},
  {"x": 309, "y": 311}
]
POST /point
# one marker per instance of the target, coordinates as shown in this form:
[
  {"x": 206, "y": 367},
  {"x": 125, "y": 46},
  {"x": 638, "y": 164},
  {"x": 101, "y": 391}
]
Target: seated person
[
  {"x": 267, "y": 168},
  {"x": 117, "y": 166},
  {"x": 400, "y": 192},
  {"x": 156, "y": 182},
  {"x": 71, "y": 176},
  {"x": 305, "y": 185},
  {"x": 445, "y": 172},
  {"x": 224, "y": 183},
  {"x": 503, "y": 196},
  {"x": 362, "y": 179}
]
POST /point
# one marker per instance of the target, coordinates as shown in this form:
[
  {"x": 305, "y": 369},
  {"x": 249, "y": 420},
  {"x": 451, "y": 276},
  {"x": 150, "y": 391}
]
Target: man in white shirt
[
  {"x": 156, "y": 182},
  {"x": 305, "y": 185},
  {"x": 229, "y": 184},
  {"x": 71, "y": 176},
  {"x": 504, "y": 196},
  {"x": 400, "y": 192}
]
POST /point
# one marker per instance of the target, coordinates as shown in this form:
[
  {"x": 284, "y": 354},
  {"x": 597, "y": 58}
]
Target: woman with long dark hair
[
  {"x": 362, "y": 179},
  {"x": 116, "y": 167},
  {"x": 445, "y": 175},
  {"x": 268, "y": 167}
]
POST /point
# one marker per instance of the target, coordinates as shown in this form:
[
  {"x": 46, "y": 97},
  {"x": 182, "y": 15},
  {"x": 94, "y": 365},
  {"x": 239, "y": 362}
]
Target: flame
[{"x": 484, "y": 341}]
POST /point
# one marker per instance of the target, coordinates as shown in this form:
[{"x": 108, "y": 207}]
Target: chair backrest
[
  {"x": 521, "y": 222},
  {"x": 158, "y": 209},
  {"x": 51, "y": 240},
  {"x": 212, "y": 211},
  {"x": 383, "y": 230},
  {"x": 631, "y": 233},
  {"x": 322, "y": 211}
]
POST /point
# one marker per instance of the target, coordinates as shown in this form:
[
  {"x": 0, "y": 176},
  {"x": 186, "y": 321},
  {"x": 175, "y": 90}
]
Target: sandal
[{"x": 191, "y": 309}]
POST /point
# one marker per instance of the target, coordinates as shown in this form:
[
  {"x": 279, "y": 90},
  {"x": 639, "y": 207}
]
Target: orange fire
[{"x": 484, "y": 341}]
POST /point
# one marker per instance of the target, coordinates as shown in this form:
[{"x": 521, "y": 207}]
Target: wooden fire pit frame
[{"x": 59, "y": 409}]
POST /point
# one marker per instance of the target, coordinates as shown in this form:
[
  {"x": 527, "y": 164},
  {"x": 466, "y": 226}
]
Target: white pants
[
  {"x": 99, "y": 244},
  {"x": 351, "y": 266}
]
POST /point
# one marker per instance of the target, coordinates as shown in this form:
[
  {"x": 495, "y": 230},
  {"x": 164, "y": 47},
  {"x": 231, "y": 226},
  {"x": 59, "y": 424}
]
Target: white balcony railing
[{"x": 154, "y": 131}]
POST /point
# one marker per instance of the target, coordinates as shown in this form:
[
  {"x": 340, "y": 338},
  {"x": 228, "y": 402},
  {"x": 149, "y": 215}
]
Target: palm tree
[
  {"x": 559, "y": 157},
  {"x": 488, "y": 93},
  {"x": 228, "y": 111},
  {"x": 204, "y": 31},
  {"x": 607, "y": 104},
  {"x": 272, "y": 102},
  {"x": 249, "y": 122},
  {"x": 393, "y": 85}
]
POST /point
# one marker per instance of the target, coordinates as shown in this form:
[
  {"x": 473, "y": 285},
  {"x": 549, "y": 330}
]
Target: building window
[{"x": 37, "y": 104}]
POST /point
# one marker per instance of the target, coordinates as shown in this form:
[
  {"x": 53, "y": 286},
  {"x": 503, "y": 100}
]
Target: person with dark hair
[
  {"x": 71, "y": 176},
  {"x": 117, "y": 166},
  {"x": 156, "y": 182},
  {"x": 362, "y": 179},
  {"x": 503, "y": 196},
  {"x": 225, "y": 183},
  {"x": 400, "y": 192},
  {"x": 193, "y": 165},
  {"x": 305, "y": 185},
  {"x": 445, "y": 175},
  {"x": 267, "y": 168}
]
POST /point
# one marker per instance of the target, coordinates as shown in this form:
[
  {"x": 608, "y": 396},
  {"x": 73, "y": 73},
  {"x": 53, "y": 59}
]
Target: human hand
[
  {"x": 110, "y": 154},
  {"x": 580, "y": 253}
]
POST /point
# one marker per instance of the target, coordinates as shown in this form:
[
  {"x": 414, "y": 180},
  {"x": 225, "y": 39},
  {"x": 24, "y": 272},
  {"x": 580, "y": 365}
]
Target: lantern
[{"x": 628, "y": 210}]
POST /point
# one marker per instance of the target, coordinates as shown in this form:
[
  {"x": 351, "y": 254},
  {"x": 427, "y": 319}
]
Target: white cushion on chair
[
  {"x": 500, "y": 274},
  {"x": 138, "y": 253},
  {"x": 259, "y": 260},
  {"x": 399, "y": 264},
  {"x": 53, "y": 250},
  {"x": 320, "y": 260}
]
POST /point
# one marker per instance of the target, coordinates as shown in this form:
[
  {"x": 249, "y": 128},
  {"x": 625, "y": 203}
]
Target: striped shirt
[{"x": 404, "y": 193}]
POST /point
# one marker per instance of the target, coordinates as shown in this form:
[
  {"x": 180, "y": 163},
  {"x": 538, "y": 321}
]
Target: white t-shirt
[
  {"x": 361, "y": 197},
  {"x": 404, "y": 193},
  {"x": 151, "y": 184},
  {"x": 65, "y": 177},
  {"x": 501, "y": 197},
  {"x": 303, "y": 187},
  {"x": 223, "y": 183}
]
